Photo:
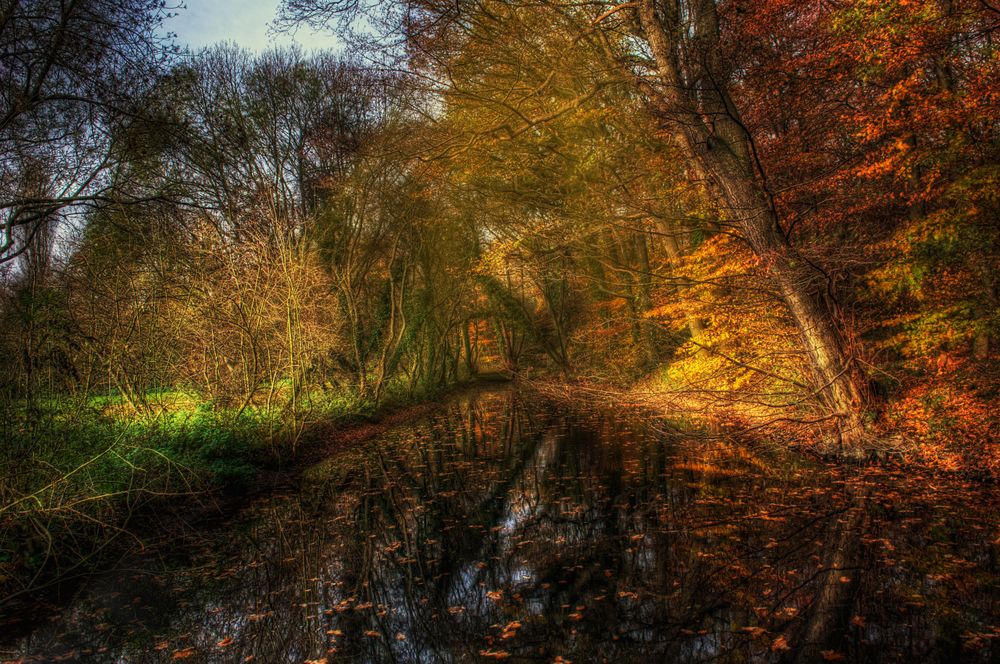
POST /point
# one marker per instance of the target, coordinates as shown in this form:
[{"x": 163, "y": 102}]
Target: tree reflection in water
[{"x": 503, "y": 527}]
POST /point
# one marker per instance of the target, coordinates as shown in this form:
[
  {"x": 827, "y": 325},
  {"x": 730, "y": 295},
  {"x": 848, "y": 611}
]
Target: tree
[
  {"x": 672, "y": 52},
  {"x": 74, "y": 72}
]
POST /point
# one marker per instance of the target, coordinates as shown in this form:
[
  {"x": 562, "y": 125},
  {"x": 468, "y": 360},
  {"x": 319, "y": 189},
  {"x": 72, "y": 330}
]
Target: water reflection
[{"x": 505, "y": 528}]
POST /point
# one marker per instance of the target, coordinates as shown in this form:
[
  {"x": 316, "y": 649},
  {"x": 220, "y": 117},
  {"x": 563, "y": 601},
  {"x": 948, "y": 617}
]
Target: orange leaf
[{"x": 494, "y": 654}]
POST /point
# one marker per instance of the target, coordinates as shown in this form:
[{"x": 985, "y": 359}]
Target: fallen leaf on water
[
  {"x": 183, "y": 654},
  {"x": 494, "y": 654},
  {"x": 228, "y": 641},
  {"x": 510, "y": 631},
  {"x": 779, "y": 644}
]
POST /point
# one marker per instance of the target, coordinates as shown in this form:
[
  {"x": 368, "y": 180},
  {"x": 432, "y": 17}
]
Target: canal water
[{"x": 506, "y": 527}]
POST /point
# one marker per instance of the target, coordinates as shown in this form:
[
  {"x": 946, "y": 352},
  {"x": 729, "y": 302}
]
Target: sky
[{"x": 246, "y": 22}]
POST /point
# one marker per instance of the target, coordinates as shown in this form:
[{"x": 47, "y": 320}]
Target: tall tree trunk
[
  {"x": 681, "y": 283},
  {"x": 704, "y": 122},
  {"x": 837, "y": 381},
  {"x": 470, "y": 346},
  {"x": 645, "y": 299}
]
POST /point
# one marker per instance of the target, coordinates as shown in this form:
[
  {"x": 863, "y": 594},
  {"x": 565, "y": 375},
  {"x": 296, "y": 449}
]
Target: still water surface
[{"x": 506, "y": 528}]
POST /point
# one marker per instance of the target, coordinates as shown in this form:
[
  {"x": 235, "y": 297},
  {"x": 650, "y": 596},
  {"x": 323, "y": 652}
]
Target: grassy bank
[{"x": 79, "y": 474}]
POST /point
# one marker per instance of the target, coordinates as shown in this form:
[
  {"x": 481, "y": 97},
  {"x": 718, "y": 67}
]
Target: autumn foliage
[{"x": 872, "y": 128}]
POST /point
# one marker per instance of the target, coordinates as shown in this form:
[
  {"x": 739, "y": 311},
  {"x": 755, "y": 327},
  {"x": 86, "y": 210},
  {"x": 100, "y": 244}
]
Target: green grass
[{"x": 75, "y": 473}]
